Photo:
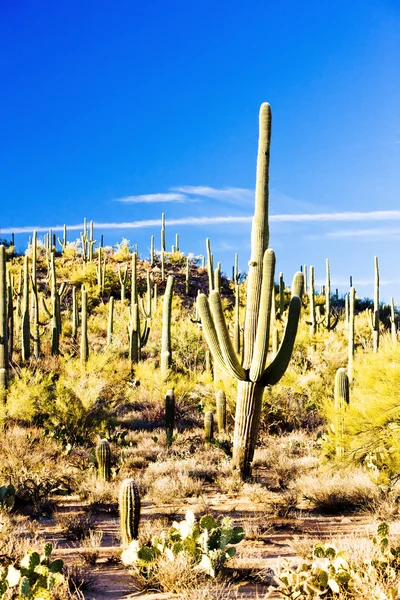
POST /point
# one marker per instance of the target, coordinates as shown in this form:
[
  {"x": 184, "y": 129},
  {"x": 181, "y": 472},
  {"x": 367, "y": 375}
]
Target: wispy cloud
[
  {"x": 133, "y": 224},
  {"x": 374, "y": 215},
  {"x": 152, "y": 198},
  {"x": 230, "y": 195},
  {"x": 375, "y": 233},
  {"x": 382, "y": 215}
]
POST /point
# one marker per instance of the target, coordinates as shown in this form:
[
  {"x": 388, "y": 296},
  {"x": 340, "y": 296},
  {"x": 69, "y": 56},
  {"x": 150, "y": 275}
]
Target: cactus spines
[
  {"x": 208, "y": 427},
  {"x": 166, "y": 351},
  {"x": 350, "y": 333},
  {"x": 103, "y": 457},
  {"x": 3, "y": 321},
  {"x": 252, "y": 375},
  {"x": 129, "y": 510},
  {"x": 340, "y": 403},
  {"x": 169, "y": 416},
  {"x": 221, "y": 411},
  {"x": 376, "y": 306},
  {"x": 84, "y": 329}
]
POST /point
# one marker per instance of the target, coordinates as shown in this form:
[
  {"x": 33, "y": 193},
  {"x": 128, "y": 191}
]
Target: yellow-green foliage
[
  {"x": 28, "y": 393},
  {"x": 123, "y": 251},
  {"x": 372, "y": 419}
]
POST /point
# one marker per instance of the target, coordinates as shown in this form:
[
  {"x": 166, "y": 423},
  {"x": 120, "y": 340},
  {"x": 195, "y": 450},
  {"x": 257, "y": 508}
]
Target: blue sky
[{"x": 157, "y": 103}]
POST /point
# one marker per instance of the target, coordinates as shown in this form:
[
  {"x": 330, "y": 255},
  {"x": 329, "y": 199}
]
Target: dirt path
[{"x": 269, "y": 541}]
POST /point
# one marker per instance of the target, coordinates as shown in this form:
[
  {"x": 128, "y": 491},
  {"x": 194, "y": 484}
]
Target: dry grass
[
  {"x": 89, "y": 547},
  {"x": 336, "y": 492},
  {"x": 76, "y": 526}
]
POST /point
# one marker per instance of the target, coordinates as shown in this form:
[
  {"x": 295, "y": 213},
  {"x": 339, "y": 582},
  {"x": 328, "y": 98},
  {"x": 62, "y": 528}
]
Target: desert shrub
[
  {"x": 28, "y": 394},
  {"x": 85, "y": 398},
  {"x": 334, "y": 492},
  {"x": 284, "y": 458},
  {"x": 76, "y": 526},
  {"x": 372, "y": 417},
  {"x": 27, "y": 459}
]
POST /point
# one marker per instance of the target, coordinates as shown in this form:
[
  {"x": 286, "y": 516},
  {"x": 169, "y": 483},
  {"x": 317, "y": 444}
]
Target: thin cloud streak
[
  {"x": 287, "y": 218},
  {"x": 152, "y": 198},
  {"x": 375, "y": 215},
  {"x": 230, "y": 194},
  {"x": 377, "y": 232}
]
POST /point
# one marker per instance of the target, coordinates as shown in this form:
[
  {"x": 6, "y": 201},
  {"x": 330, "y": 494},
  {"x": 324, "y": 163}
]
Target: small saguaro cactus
[
  {"x": 251, "y": 372},
  {"x": 103, "y": 457},
  {"x": 129, "y": 510},
  {"x": 341, "y": 401},
  {"x": 169, "y": 416},
  {"x": 221, "y": 411},
  {"x": 208, "y": 427},
  {"x": 329, "y": 321},
  {"x": 84, "y": 329},
  {"x": 166, "y": 351},
  {"x": 350, "y": 333}
]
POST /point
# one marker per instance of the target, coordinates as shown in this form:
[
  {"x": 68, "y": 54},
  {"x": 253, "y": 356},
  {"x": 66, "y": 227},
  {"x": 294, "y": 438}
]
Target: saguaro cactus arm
[
  {"x": 211, "y": 336},
  {"x": 275, "y": 371},
  {"x": 224, "y": 340},
  {"x": 264, "y": 317}
]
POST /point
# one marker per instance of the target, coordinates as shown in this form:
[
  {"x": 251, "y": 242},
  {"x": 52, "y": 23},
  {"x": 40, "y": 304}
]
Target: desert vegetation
[{"x": 168, "y": 430}]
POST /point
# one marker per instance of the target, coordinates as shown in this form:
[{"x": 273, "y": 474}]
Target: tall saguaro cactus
[
  {"x": 341, "y": 401},
  {"x": 252, "y": 374}
]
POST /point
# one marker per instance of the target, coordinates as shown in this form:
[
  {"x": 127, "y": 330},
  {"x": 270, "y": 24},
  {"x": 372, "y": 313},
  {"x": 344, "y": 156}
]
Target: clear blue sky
[{"x": 157, "y": 103}]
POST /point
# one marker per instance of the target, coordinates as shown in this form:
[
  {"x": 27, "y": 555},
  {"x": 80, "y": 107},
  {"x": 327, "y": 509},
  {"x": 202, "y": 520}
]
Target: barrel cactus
[
  {"x": 129, "y": 510},
  {"x": 103, "y": 457}
]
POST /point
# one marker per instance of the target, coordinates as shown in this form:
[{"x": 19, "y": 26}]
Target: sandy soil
[{"x": 273, "y": 539}]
